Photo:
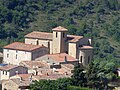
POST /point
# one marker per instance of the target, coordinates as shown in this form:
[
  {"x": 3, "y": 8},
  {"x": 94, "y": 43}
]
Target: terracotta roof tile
[
  {"x": 24, "y": 76},
  {"x": 39, "y": 35},
  {"x": 59, "y": 28},
  {"x": 73, "y": 38},
  {"x": 68, "y": 66},
  {"x": 60, "y": 57},
  {"x": 50, "y": 76},
  {"x": 21, "y": 82},
  {"x": 22, "y": 46},
  {"x": 86, "y": 47},
  {"x": 32, "y": 64},
  {"x": 48, "y": 36},
  {"x": 8, "y": 67}
]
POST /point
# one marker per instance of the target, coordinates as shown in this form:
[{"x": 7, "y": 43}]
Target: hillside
[{"x": 96, "y": 19}]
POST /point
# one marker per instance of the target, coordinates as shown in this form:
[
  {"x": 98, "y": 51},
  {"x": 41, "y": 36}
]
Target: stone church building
[
  {"x": 60, "y": 42},
  {"x": 38, "y": 44}
]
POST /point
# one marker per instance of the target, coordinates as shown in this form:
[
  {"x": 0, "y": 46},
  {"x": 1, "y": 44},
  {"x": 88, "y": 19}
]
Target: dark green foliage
[
  {"x": 77, "y": 88},
  {"x": 15, "y": 16},
  {"x": 43, "y": 85},
  {"x": 59, "y": 84},
  {"x": 78, "y": 76},
  {"x": 94, "y": 76}
]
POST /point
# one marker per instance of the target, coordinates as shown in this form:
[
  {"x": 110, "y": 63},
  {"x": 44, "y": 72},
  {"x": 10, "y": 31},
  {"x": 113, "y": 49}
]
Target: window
[
  {"x": 16, "y": 51},
  {"x": 7, "y": 55},
  {"x": 3, "y": 72},
  {"x": 63, "y": 34},
  {"x": 16, "y": 56},
  {"x": 56, "y": 34},
  {"x": 7, "y": 50},
  {"x": 37, "y": 42},
  {"x": 6, "y": 72},
  {"x": 81, "y": 59}
]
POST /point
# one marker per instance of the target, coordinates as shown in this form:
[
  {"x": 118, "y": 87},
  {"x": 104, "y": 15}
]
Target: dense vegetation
[{"x": 96, "y": 19}]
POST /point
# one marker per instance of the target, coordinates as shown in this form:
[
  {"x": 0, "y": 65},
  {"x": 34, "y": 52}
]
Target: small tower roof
[{"x": 60, "y": 28}]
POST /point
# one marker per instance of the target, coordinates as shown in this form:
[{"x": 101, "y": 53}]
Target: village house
[
  {"x": 57, "y": 59},
  {"x": 68, "y": 67},
  {"x": 43, "y": 68},
  {"x": 8, "y": 71},
  {"x": 16, "y": 52},
  {"x": 34, "y": 65},
  {"x": 22, "y": 76},
  {"x": 16, "y": 84}
]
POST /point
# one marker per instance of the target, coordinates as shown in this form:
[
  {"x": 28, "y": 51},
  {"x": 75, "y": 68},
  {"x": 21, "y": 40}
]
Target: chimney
[
  {"x": 54, "y": 69},
  {"x": 20, "y": 79},
  {"x": 33, "y": 67},
  {"x": 16, "y": 72}
]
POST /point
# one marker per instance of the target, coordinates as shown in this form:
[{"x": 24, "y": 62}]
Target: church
[
  {"x": 38, "y": 44},
  {"x": 59, "y": 42}
]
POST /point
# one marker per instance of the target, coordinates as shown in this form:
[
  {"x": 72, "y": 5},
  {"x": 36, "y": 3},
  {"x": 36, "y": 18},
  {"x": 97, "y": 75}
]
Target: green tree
[{"x": 78, "y": 76}]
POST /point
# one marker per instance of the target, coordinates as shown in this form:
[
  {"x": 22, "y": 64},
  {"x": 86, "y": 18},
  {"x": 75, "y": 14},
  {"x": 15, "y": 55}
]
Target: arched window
[
  {"x": 63, "y": 34},
  {"x": 37, "y": 42},
  {"x": 81, "y": 57},
  {"x": 56, "y": 34},
  {"x": 16, "y": 56},
  {"x": 7, "y": 55}
]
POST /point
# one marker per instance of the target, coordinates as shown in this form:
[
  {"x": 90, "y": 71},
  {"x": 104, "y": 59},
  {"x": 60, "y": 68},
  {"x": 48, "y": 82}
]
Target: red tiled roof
[
  {"x": 24, "y": 76},
  {"x": 21, "y": 82},
  {"x": 60, "y": 57},
  {"x": 73, "y": 38},
  {"x": 32, "y": 64},
  {"x": 59, "y": 28},
  {"x": 50, "y": 76},
  {"x": 86, "y": 47},
  {"x": 48, "y": 36},
  {"x": 8, "y": 67},
  {"x": 68, "y": 66},
  {"x": 39, "y": 35},
  {"x": 22, "y": 46}
]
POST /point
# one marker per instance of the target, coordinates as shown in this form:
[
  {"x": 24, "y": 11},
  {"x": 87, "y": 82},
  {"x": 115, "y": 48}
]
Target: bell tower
[{"x": 59, "y": 39}]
